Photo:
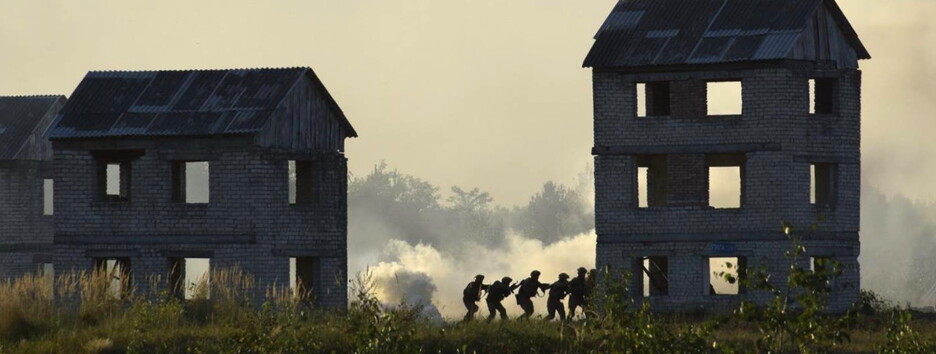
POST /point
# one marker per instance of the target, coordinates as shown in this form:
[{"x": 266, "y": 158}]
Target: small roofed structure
[
  {"x": 223, "y": 169},
  {"x": 26, "y": 224}
]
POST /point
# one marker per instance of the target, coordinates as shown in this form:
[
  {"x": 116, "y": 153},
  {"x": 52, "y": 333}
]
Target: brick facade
[
  {"x": 26, "y": 240},
  {"x": 775, "y": 137},
  {"x": 248, "y": 223}
]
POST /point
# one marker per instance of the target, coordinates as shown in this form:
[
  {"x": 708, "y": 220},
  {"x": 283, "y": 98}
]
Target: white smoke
[{"x": 517, "y": 259}]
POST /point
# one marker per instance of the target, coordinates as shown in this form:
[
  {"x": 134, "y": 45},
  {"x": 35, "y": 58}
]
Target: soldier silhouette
[
  {"x": 497, "y": 292},
  {"x": 578, "y": 291},
  {"x": 528, "y": 289},
  {"x": 472, "y": 294},
  {"x": 557, "y": 292}
]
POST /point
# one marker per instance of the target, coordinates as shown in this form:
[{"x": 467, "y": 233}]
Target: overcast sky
[{"x": 480, "y": 93}]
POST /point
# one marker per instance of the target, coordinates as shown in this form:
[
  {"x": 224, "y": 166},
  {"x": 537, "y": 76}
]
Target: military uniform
[
  {"x": 557, "y": 292},
  {"x": 472, "y": 294},
  {"x": 528, "y": 289},
  {"x": 497, "y": 292},
  {"x": 578, "y": 290}
]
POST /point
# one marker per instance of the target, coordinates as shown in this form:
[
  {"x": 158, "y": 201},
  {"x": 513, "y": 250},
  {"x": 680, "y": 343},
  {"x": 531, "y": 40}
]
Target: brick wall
[
  {"x": 25, "y": 233},
  {"x": 779, "y": 140},
  {"x": 248, "y": 223}
]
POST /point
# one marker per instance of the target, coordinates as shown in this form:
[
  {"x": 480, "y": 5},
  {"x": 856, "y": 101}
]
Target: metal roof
[
  {"x": 22, "y": 117},
  {"x": 179, "y": 103},
  {"x": 672, "y": 32}
]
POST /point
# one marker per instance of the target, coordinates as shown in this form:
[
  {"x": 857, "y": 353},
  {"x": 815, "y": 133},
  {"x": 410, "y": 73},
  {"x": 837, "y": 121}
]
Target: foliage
[
  {"x": 388, "y": 204},
  {"x": 795, "y": 314},
  {"x": 555, "y": 212},
  {"x": 227, "y": 321},
  {"x": 623, "y": 325},
  {"x": 902, "y": 338}
]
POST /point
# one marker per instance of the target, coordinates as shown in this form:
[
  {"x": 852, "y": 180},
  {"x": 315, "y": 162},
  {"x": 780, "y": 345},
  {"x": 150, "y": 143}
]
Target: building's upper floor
[
  {"x": 218, "y": 155},
  {"x": 739, "y": 72}
]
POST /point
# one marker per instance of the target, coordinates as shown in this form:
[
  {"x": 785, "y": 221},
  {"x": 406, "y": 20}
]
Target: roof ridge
[
  {"x": 199, "y": 70},
  {"x": 33, "y": 96}
]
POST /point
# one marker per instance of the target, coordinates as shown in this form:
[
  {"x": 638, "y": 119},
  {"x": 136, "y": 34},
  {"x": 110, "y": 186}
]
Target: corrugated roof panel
[
  {"x": 776, "y": 45},
  {"x": 751, "y": 30},
  {"x": 162, "y": 89},
  {"x": 711, "y": 50},
  {"x": 227, "y": 92},
  {"x": 744, "y": 48},
  {"x": 185, "y": 123},
  {"x": 199, "y": 90},
  {"x": 245, "y": 121},
  {"x": 185, "y": 103},
  {"x": 22, "y": 117}
]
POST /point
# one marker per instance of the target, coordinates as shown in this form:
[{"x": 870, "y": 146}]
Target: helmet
[
  {"x": 563, "y": 276},
  {"x": 479, "y": 277},
  {"x": 582, "y": 270},
  {"x": 506, "y": 280},
  {"x": 535, "y": 273}
]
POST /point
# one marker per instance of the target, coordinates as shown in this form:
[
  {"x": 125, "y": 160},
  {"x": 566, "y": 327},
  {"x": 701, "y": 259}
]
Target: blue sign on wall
[{"x": 724, "y": 248}]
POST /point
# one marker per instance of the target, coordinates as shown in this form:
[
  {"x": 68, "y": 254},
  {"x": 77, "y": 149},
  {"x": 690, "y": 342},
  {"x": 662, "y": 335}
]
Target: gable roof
[
  {"x": 180, "y": 103},
  {"x": 22, "y": 119},
  {"x": 672, "y": 32}
]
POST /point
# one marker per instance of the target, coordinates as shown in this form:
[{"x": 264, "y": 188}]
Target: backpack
[
  {"x": 471, "y": 292},
  {"x": 527, "y": 288}
]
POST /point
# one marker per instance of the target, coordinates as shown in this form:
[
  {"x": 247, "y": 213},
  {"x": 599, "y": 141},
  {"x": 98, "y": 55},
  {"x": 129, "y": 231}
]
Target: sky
[{"x": 481, "y": 93}]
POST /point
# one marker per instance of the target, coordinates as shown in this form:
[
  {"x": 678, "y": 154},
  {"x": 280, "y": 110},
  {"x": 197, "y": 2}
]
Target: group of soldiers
[{"x": 577, "y": 289}]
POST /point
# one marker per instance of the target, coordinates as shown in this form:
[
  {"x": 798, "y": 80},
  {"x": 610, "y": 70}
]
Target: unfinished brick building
[
  {"x": 25, "y": 184},
  {"x": 789, "y": 141},
  {"x": 156, "y": 170}
]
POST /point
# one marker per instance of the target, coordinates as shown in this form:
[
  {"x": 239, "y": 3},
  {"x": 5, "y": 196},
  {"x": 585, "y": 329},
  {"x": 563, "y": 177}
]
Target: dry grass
[{"x": 94, "y": 312}]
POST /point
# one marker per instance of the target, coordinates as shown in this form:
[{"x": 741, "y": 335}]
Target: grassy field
[{"x": 97, "y": 322}]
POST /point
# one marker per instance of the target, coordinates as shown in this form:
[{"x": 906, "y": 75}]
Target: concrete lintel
[
  {"x": 42, "y": 258},
  {"x": 187, "y": 253},
  {"x": 308, "y": 252},
  {"x": 154, "y": 240},
  {"x": 685, "y": 149},
  {"x": 188, "y": 156},
  {"x": 727, "y": 236},
  {"x": 831, "y": 251},
  {"x": 112, "y": 253},
  {"x": 25, "y": 247},
  {"x": 827, "y": 159}
]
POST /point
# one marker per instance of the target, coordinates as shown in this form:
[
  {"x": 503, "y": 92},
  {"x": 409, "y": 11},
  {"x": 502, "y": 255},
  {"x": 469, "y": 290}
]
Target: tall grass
[{"x": 88, "y": 314}]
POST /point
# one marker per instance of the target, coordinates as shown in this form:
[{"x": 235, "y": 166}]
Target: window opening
[
  {"x": 116, "y": 275},
  {"x": 48, "y": 196},
  {"x": 292, "y": 181},
  {"x": 654, "y": 276},
  {"x": 302, "y": 277},
  {"x": 191, "y": 182},
  {"x": 113, "y": 180},
  {"x": 725, "y": 275},
  {"x": 726, "y": 180},
  {"x": 724, "y": 98},
  {"x": 190, "y": 278},
  {"x": 653, "y": 99},
  {"x": 305, "y": 182},
  {"x": 822, "y": 96},
  {"x": 822, "y": 184},
  {"x": 824, "y": 266},
  {"x": 652, "y": 185}
]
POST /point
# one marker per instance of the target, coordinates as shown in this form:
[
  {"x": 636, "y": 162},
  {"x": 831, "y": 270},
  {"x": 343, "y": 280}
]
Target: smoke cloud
[{"x": 517, "y": 259}]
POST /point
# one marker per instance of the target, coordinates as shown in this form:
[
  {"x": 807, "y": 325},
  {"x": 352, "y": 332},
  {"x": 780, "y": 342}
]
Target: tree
[{"x": 555, "y": 212}]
